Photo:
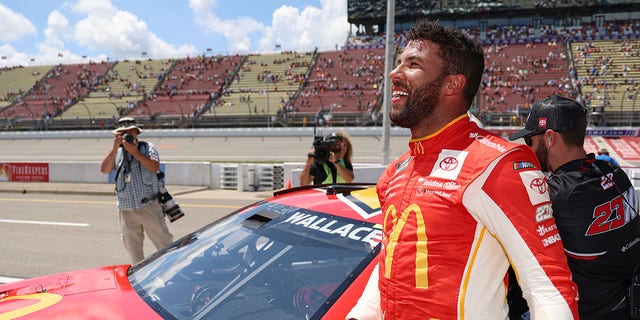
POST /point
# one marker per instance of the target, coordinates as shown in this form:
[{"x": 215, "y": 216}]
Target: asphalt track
[{"x": 58, "y": 227}]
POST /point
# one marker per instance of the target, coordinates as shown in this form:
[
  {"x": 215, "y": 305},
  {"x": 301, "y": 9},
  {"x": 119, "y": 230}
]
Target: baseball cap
[
  {"x": 126, "y": 123},
  {"x": 556, "y": 113}
]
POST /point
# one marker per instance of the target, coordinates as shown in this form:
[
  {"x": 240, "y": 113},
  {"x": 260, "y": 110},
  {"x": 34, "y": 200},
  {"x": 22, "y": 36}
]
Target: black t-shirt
[{"x": 595, "y": 207}]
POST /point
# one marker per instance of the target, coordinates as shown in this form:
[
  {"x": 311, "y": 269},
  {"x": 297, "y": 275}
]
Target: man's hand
[{"x": 131, "y": 147}]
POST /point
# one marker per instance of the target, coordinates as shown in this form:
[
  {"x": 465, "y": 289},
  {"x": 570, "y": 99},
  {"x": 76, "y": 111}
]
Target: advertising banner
[{"x": 24, "y": 171}]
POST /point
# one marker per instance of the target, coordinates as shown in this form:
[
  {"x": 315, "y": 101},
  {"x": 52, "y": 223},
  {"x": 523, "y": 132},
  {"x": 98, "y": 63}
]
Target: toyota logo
[
  {"x": 539, "y": 185},
  {"x": 449, "y": 163}
]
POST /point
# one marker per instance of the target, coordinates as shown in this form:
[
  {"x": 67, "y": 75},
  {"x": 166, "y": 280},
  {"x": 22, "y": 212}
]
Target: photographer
[
  {"x": 136, "y": 164},
  {"x": 329, "y": 161}
]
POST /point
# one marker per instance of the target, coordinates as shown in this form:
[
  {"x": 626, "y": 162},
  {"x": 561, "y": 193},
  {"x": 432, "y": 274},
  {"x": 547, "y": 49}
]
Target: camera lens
[{"x": 128, "y": 138}]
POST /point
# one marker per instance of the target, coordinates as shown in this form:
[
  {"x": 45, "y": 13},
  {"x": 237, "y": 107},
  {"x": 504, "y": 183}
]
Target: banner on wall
[{"x": 24, "y": 171}]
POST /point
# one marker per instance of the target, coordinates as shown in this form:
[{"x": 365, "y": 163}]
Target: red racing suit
[{"x": 459, "y": 207}]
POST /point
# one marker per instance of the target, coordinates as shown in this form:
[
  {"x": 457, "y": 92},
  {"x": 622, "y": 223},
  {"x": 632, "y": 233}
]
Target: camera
[
  {"x": 323, "y": 147},
  {"x": 170, "y": 207},
  {"x": 127, "y": 137}
]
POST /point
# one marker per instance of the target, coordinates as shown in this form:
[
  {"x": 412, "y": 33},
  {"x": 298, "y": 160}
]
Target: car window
[{"x": 271, "y": 261}]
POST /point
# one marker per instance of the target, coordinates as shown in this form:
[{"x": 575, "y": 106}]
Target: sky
[{"x": 48, "y": 32}]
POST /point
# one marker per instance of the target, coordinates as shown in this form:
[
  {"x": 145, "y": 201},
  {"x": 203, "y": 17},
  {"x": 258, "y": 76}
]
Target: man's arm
[
  {"x": 305, "y": 175},
  {"x": 368, "y": 306},
  {"x": 108, "y": 162},
  {"x": 513, "y": 203},
  {"x": 150, "y": 162}
]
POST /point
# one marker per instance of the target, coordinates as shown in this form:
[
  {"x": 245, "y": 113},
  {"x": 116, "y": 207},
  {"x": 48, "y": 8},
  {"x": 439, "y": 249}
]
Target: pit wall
[{"x": 233, "y": 176}]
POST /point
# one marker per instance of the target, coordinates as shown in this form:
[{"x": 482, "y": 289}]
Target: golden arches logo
[
  {"x": 45, "y": 300},
  {"x": 422, "y": 252},
  {"x": 418, "y": 148}
]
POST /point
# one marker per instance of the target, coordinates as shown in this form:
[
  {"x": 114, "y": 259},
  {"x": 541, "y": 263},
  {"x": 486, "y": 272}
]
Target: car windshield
[{"x": 270, "y": 261}]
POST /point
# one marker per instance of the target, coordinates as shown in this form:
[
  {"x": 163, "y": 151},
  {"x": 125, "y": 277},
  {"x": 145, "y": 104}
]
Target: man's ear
[
  {"x": 455, "y": 83},
  {"x": 549, "y": 139}
]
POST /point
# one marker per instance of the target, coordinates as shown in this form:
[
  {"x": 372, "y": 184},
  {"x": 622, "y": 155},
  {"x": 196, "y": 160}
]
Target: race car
[{"x": 305, "y": 253}]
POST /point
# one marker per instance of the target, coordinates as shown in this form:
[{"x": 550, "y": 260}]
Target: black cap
[{"x": 556, "y": 113}]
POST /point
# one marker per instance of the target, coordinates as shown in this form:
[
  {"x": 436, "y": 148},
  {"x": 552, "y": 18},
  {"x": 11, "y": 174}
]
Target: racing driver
[{"x": 462, "y": 204}]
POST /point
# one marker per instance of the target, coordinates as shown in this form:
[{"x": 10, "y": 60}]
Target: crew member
[{"x": 595, "y": 206}]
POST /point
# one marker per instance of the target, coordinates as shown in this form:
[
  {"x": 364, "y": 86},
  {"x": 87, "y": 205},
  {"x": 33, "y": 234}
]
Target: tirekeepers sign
[{"x": 24, "y": 171}]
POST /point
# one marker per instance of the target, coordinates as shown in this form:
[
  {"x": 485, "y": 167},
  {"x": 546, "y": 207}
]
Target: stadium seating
[
  {"x": 264, "y": 84},
  {"x": 61, "y": 87},
  {"x": 125, "y": 85},
  {"x": 14, "y": 82},
  {"x": 344, "y": 81},
  {"x": 189, "y": 86},
  {"x": 518, "y": 74},
  {"x": 607, "y": 72},
  {"x": 523, "y": 64}
]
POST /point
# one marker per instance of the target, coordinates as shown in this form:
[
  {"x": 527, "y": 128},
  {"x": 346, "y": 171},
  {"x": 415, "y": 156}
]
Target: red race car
[{"x": 305, "y": 253}]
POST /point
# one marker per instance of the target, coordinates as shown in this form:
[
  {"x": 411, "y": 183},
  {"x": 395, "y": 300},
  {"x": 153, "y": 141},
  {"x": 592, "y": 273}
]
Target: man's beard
[
  {"x": 542, "y": 154},
  {"x": 421, "y": 104}
]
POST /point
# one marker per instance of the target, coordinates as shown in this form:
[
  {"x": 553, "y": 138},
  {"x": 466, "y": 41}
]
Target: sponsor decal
[
  {"x": 613, "y": 132},
  {"x": 542, "y": 230},
  {"x": 544, "y": 212},
  {"x": 520, "y": 165},
  {"x": 441, "y": 193},
  {"x": 402, "y": 165},
  {"x": 614, "y": 214},
  {"x": 542, "y": 122},
  {"x": 364, "y": 202},
  {"x": 447, "y": 185},
  {"x": 369, "y": 234},
  {"x": 539, "y": 185},
  {"x": 418, "y": 148},
  {"x": 24, "y": 171},
  {"x": 449, "y": 164},
  {"x": 536, "y": 185},
  {"x": 630, "y": 244},
  {"x": 606, "y": 181},
  {"x": 38, "y": 301},
  {"x": 551, "y": 240},
  {"x": 492, "y": 144}
]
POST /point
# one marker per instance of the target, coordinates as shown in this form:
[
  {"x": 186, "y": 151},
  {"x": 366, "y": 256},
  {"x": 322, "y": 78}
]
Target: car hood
[{"x": 101, "y": 293}]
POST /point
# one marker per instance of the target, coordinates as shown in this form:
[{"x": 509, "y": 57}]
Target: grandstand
[
  {"x": 583, "y": 49},
  {"x": 608, "y": 76},
  {"x": 343, "y": 82},
  {"x": 189, "y": 88}
]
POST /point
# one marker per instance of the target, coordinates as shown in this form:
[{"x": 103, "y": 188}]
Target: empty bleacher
[
  {"x": 61, "y": 87},
  {"x": 264, "y": 84},
  {"x": 124, "y": 86},
  {"x": 607, "y": 71},
  {"x": 14, "y": 82}
]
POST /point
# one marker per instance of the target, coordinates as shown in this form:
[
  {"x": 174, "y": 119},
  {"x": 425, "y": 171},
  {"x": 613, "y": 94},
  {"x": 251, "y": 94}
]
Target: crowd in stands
[
  {"x": 523, "y": 64},
  {"x": 342, "y": 78}
]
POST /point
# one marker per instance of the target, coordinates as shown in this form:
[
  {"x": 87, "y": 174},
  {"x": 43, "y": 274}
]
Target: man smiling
[{"x": 461, "y": 205}]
